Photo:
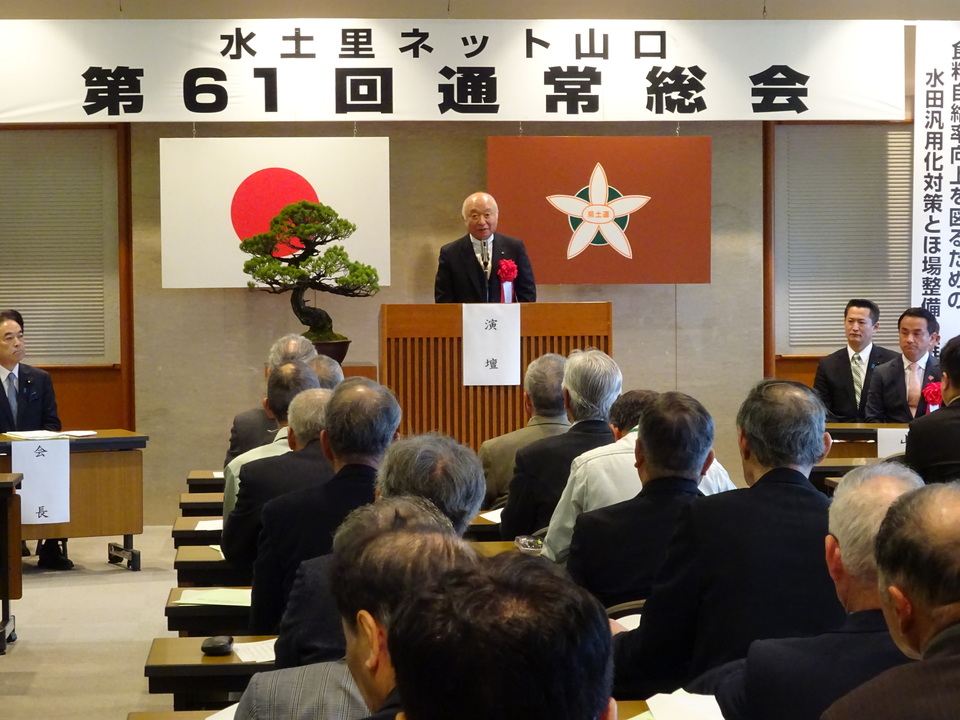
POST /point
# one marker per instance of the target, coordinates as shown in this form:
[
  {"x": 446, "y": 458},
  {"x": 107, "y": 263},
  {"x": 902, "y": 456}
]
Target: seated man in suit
[
  {"x": 509, "y": 639},
  {"x": 29, "y": 404},
  {"x": 283, "y": 385},
  {"x": 742, "y": 565},
  {"x": 933, "y": 444},
  {"x": 843, "y": 377},
  {"x": 262, "y": 480},
  {"x": 798, "y": 678},
  {"x": 919, "y": 569},
  {"x": 615, "y": 551},
  {"x": 543, "y": 404},
  {"x": 591, "y": 382},
  {"x": 362, "y": 419},
  {"x": 324, "y": 690},
  {"x": 432, "y": 467},
  {"x": 469, "y": 268},
  {"x": 608, "y": 475},
  {"x": 896, "y": 389}
]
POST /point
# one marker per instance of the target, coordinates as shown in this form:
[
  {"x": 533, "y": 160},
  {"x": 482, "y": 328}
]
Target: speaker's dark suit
[
  {"x": 887, "y": 400},
  {"x": 742, "y": 566},
  {"x": 541, "y": 473},
  {"x": 798, "y": 678},
  {"x": 251, "y": 428},
  {"x": 928, "y": 689},
  {"x": 36, "y": 402},
  {"x": 933, "y": 444},
  {"x": 262, "y": 481},
  {"x": 298, "y": 526},
  {"x": 460, "y": 278},
  {"x": 834, "y": 383},
  {"x": 615, "y": 551},
  {"x": 310, "y": 631}
]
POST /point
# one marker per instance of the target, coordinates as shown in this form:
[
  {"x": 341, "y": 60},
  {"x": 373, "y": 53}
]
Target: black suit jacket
[
  {"x": 933, "y": 444},
  {"x": 928, "y": 689},
  {"x": 311, "y": 631},
  {"x": 887, "y": 400},
  {"x": 36, "y": 402},
  {"x": 460, "y": 278},
  {"x": 262, "y": 481},
  {"x": 296, "y": 527},
  {"x": 251, "y": 428},
  {"x": 541, "y": 473},
  {"x": 834, "y": 383},
  {"x": 799, "y": 678},
  {"x": 615, "y": 551},
  {"x": 742, "y": 566}
]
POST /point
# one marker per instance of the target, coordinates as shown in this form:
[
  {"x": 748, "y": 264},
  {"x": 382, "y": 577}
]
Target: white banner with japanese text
[
  {"x": 399, "y": 69},
  {"x": 936, "y": 179},
  {"x": 491, "y": 344},
  {"x": 215, "y": 192},
  {"x": 45, "y": 490}
]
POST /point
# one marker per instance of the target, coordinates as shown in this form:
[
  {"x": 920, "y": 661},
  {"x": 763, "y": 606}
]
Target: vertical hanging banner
[
  {"x": 936, "y": 180},
  {"x": 491, "y": 344},
  {"x": 45, "y": 490}
]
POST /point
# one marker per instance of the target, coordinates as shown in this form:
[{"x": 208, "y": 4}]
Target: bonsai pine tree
[{"x": 289, "y": 258}]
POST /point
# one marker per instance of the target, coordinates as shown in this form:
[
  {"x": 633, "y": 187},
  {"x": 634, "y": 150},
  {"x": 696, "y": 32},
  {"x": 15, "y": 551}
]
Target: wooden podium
[
  {"x": 11, "y": 583},
  {"x": 421, "y": 360}
]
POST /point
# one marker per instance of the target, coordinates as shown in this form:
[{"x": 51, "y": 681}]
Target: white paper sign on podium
[
  {"x": 491, "y": 344},
  {"x": 45, "y": 490},
  {"x": 891, "y": 441}
]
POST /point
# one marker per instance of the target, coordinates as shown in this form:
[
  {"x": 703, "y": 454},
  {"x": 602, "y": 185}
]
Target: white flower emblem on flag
[{"x": 601, "y": 217}]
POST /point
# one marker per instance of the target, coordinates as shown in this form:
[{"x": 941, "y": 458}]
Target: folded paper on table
[
  {"x": 681, "y": 705},
  {"x": 216, "y": 524},
  {"x": 239, "y": 597},
  {"x": 258, "y": 652},
  {"x": 492, "y": 515}
]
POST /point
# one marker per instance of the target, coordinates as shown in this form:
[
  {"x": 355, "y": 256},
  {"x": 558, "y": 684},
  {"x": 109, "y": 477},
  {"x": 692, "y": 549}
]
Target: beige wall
[{"x": 199, "y": 353}]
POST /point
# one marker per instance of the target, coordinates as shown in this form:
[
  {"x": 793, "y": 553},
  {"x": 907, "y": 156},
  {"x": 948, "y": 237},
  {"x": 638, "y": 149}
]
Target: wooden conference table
[{"x": 106, "y": 491}]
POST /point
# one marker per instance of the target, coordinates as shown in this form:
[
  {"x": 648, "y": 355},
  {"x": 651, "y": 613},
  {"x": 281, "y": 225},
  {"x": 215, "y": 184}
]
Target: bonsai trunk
[{"x": 317, "y": 319}]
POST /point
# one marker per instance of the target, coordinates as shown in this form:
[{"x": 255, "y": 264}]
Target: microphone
[{"x": 485, "y": 257}]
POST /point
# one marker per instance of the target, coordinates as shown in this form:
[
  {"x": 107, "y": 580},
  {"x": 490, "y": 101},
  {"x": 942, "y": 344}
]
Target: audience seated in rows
[
  {"x": 933, "y": 444},
  {"x": 607, "y": 475},
  {"x": 742, "y": 565},
  {"x": 918, "y": 563},
  {"x": 798, "y": 678},
  {"x": 543, "y": 404},
  {"x": 617, "y": 550},
  {"x": 591, "y": 382},
  {"x": 431, "y": 466},
  {"x": 265, "y": 479},
  {"x": 376, "y": 579},
  {"x": 362, "y": 419}
]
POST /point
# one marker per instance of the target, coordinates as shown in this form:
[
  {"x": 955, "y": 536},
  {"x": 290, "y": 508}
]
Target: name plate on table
[
  {"x": 491, "y": 344},
  {"x": 45, "y": 490},
  {"x": 891, "y": 441}
]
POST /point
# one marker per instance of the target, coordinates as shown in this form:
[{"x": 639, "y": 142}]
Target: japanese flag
[{"x": 214, "y": 192}]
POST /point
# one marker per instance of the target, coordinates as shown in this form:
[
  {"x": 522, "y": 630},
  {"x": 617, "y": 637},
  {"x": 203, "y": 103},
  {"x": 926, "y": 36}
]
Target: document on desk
[
  {"x": 228, "y": 713},
  {"x": 256, "y": 651},
  {"x": 210, "y": 524},
  {"x": 219, "y": 550},
  {"x": 35, "y": 434},
  {"x": 492, "y": 515},
  {"x": 237, "y": 597},
  {"x": 681, "y": 705},
  {"x": 218, "y": 474}
]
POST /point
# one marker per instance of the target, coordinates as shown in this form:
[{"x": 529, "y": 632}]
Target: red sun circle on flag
[{"x": 261, "y": 196}]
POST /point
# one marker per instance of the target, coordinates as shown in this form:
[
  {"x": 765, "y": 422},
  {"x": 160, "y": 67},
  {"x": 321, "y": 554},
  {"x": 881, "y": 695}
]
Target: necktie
[
  {"x": 913, "y": 389},
  {"x": 12, "y": 396},
  {"x": 856, "y": 366}
]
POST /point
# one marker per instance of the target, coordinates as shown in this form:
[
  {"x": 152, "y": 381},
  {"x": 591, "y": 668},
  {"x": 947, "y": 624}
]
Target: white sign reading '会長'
[
  {"x": 306, "y": 69},
  {"x": 45, "y": 489}
]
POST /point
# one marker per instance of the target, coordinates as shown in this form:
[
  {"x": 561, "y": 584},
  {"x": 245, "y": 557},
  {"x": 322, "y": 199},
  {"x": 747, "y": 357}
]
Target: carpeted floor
[{"x": 83, "y": 635}]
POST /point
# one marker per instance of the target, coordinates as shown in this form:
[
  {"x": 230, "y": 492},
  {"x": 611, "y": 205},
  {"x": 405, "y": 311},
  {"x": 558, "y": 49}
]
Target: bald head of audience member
[
  {"x": 626, "y": 410},
  {"x": 512, "y": 638},
  {"x": 859, "y": 505},
  {"x": 290, "y": 348},
  {"x": 306, "y": 416},
  {"x": 781, "y": 424},
  {"x": 370, "y": 579},
  {"x": 284, "y": 384},
  {"x": 542, "y": 386},
  {"x": 591, "y": 383},
  {"x": 438, "y": 468},
  {"x": 329, "y": 373},
  {"x": 361, "y": 420},
  {"x": 675, "y": 439},
  {"x": 918, "y": 564}
]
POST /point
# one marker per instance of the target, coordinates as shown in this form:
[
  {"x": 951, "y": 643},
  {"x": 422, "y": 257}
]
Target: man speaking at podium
[{"x": 471, "y": 268}]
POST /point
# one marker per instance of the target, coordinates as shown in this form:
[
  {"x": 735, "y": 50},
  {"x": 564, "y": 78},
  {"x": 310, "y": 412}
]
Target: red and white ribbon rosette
[
  {"x": 933, "y": 394},
  {"x": 507, "y": 273}
]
